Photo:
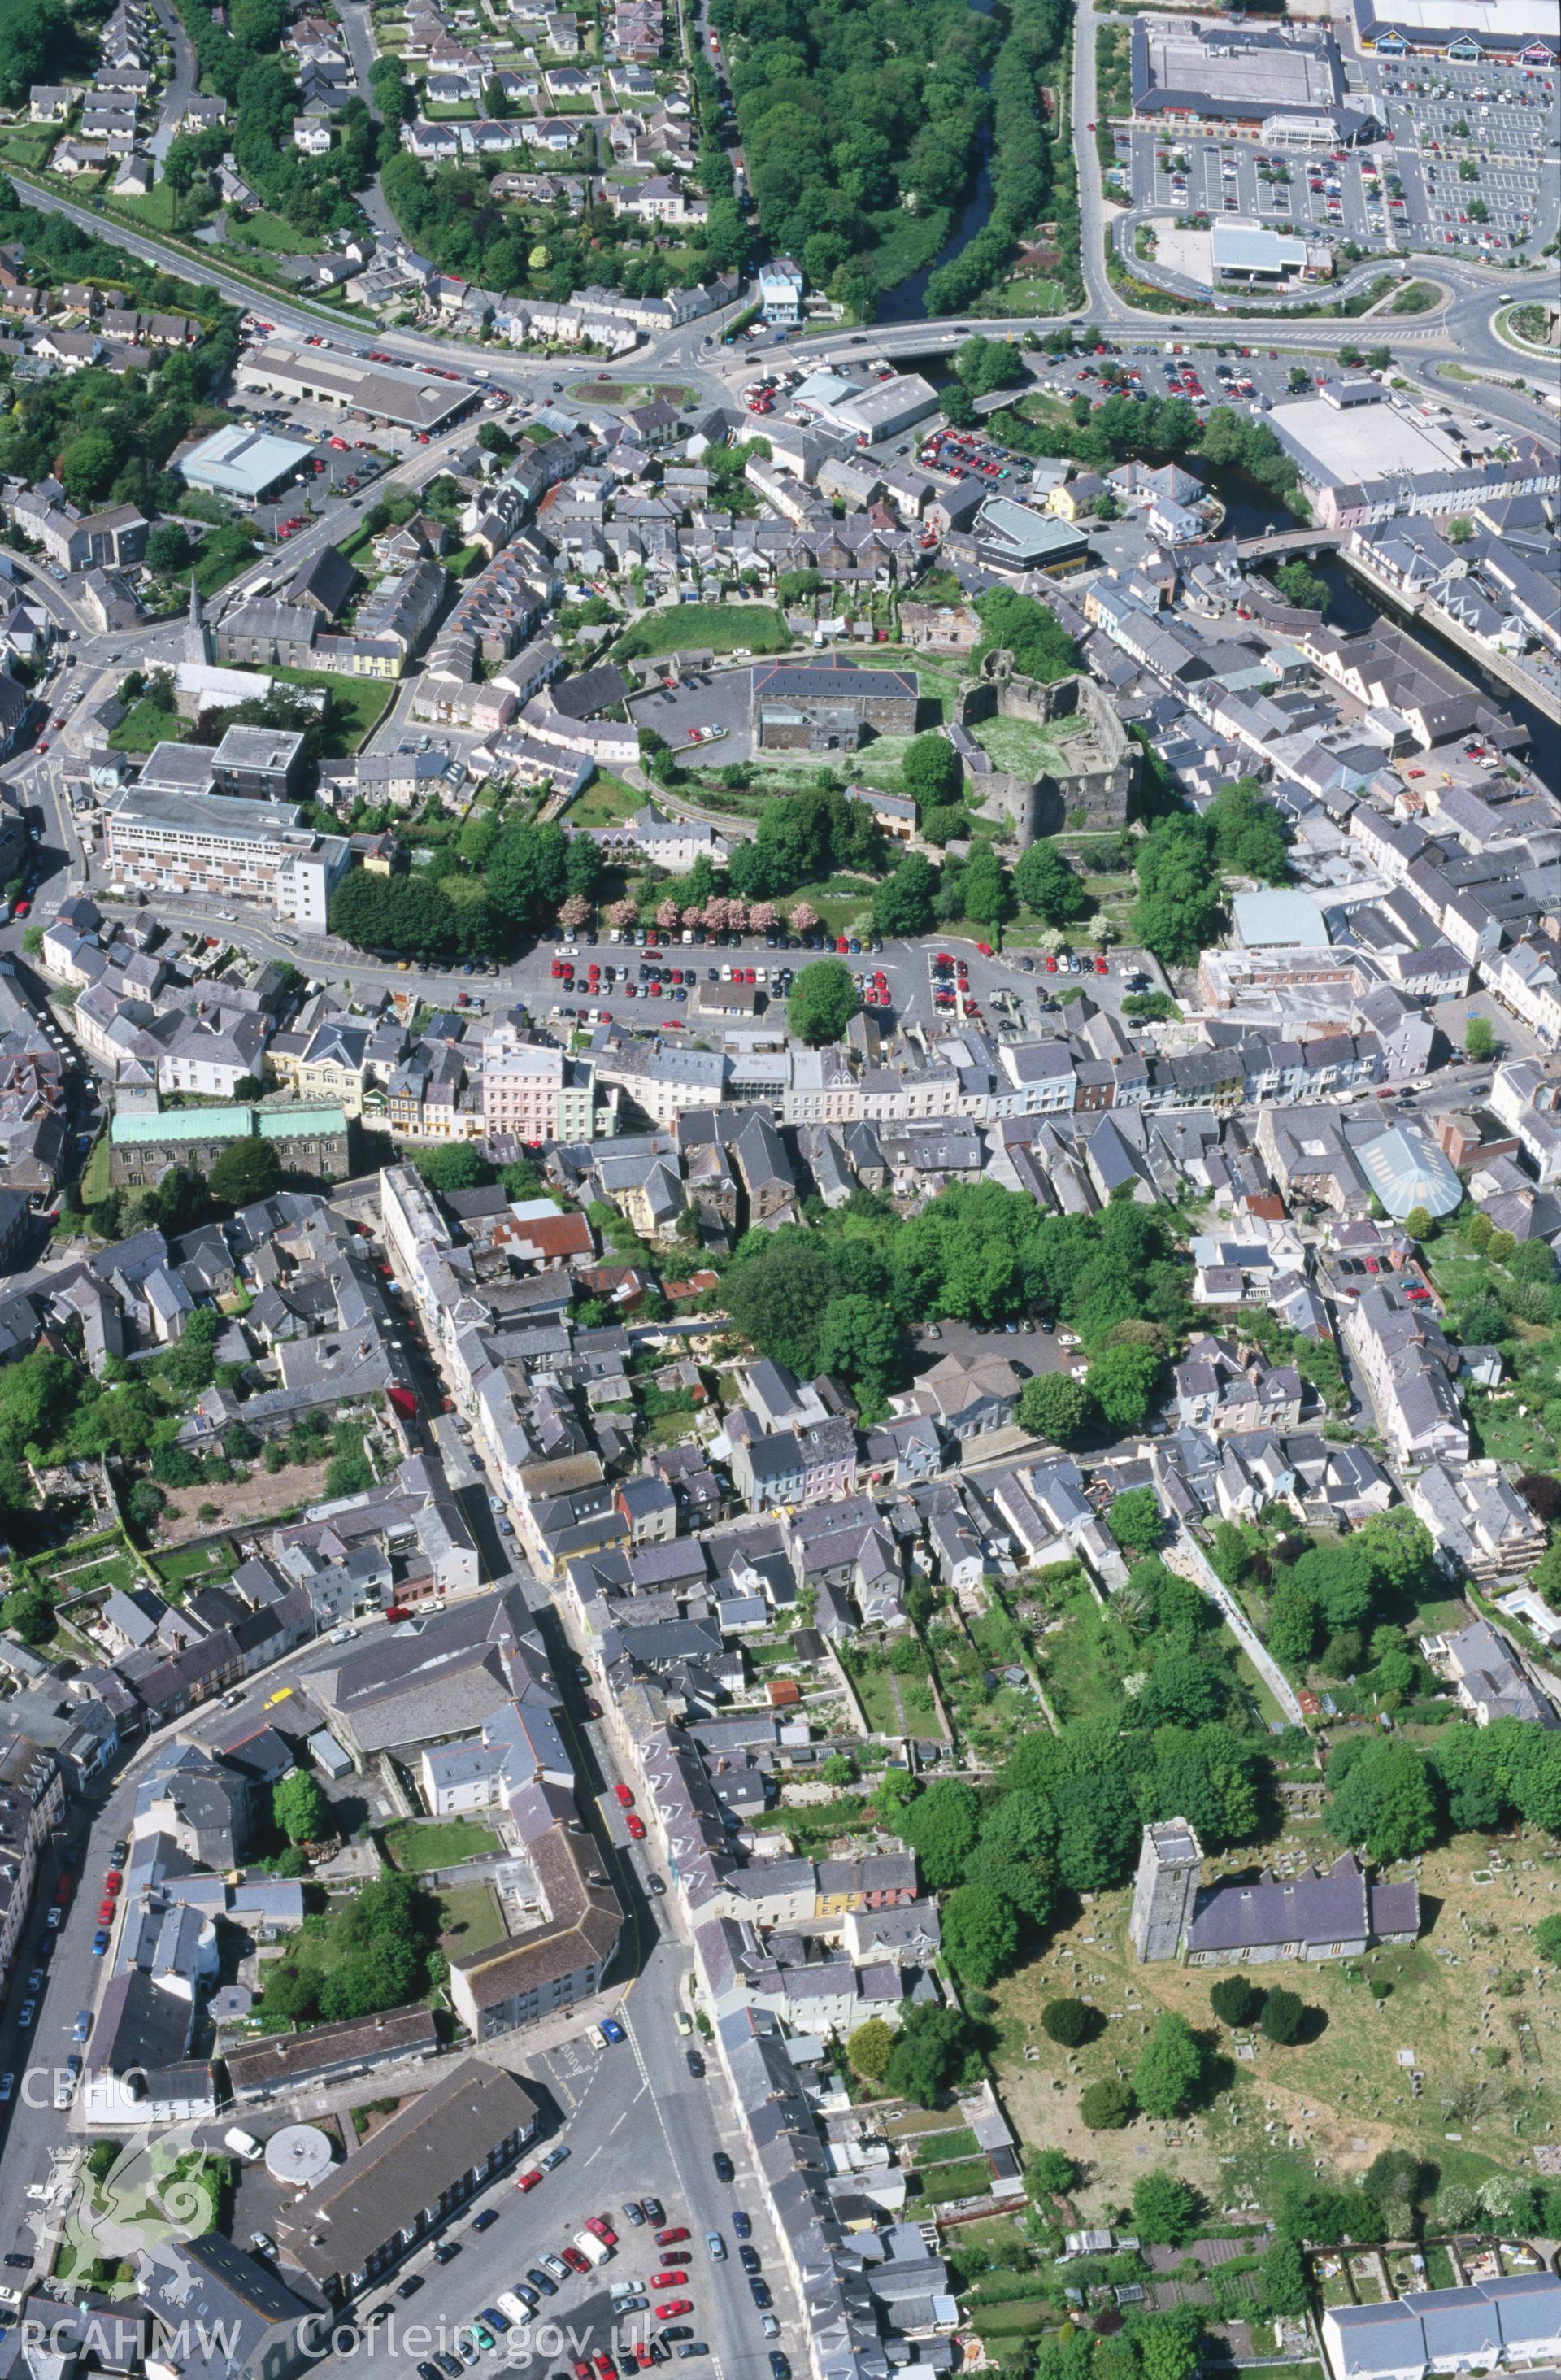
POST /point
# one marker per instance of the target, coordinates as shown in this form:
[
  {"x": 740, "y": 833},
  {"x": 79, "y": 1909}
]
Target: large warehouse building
[
  {"x": 1232, "y": 75},
  {"x": 1523, "y": 32},
  {"x": 409, "y": 400}
]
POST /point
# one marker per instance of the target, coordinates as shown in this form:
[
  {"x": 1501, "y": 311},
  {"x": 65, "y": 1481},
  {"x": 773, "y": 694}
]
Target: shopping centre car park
[{"x": 1511, "y": 139}]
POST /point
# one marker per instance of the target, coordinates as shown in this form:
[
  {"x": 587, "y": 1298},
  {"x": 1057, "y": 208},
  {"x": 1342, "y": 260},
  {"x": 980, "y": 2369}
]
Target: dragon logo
[{"x": 157, "y": 2192}]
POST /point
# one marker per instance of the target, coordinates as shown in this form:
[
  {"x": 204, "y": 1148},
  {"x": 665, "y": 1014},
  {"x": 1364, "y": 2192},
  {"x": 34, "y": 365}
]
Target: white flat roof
[
  {"x": 1508, "y": 20},
  {"x": 242, "y": 462},
  {"x": 1362, "y": 442}
]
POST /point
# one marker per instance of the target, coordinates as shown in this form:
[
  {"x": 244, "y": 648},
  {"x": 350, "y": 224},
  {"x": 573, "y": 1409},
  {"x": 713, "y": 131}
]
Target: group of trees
[
  {"x": 850, "y": 117},
  {"x": 243, "y": 63},
  {"x": 43, "y": 41},
  {"x": 1181, "y": 862},
  {"x": 1120, "y": 428},
  {"x": 1020, "y": 157},
  {"x": 1066, "y": 1815},
  {"x": 1328, "y": 1600},
  {"x": 468, "y": 896},
  {"x": 1394, "y": 1797},
  {"x": 803, "y": 840},
  {"x": 109, "y": 435},
  {"x": 378, "y": 1950},
  {"x": 979, "y": 1253}
]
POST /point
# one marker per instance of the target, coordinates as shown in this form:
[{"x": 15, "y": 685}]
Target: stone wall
[{"x": 1093, "y": 791}]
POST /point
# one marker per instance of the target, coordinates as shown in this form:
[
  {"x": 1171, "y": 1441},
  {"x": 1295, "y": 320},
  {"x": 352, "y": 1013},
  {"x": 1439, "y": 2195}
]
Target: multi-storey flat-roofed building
[
  {"x": 171, "y": 842},
  {"x": 534, "y": 1089}
]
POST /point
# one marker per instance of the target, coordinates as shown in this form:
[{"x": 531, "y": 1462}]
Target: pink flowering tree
[
  {"x": 763, "y": 917},
  {"x": 573, "y": 913},
  {"x": 622, "y": 914},
  {"x": 803, "y": 920},
  {"x": 668, "y": 917}
]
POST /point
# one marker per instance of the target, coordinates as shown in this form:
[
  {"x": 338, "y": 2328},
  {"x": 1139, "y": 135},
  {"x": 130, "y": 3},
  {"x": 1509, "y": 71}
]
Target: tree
[
  {"x": 1386, "y": 1801},
  {"x": 1167, "y": 2342},
  {"x": 1054, "y": 1406},
  {"x": 30, "y": 1612},
  {"x": 1171, "y": 2068},
  {"x": 1479, "y": 1039},
  {"x": 870, "y": 2047},
  {"x": 456, "y": 1165},
  {"x": 167, "y": 547},
  {"x": 1234, "y": 2001},
  {"x": 1179, "y": 910},
  {"x": 824, "y": 999},
  {"x": 986, "y": 893},
  {"x": 903, "y": 903},
  {"x": 1418, "y": 1223},
  {"x": 860, "y": 1339},
  {"x": 1121, "y": 1382},
  {"x": 1069, "y": 2022},
  {"x": 1050, "y": 2171},
  {"x": 1547, "y": 1939},
  {"x": 931, "y": 2051},
  {"x": 1135, "y": 1520},
  {"x": 839, "y": 1769},
  {"x": 1165, "y": 2209},
  {"x": 1282, "y": 2281},
  {"x": 1106, "y": 2106},
  {"x": 980, "y": 1933},
  {"x": 1047, "y": 884},
  {"x": 941, "y": 1826},
  {"x": 1283, "y": 2013},
  {"x": 1301, "y": 587},
  {"x": 930, "y": 770},
  {"x": 248, "y": 1170},
  {"x": 298, "y": 1806},
  {"x": 945, "y": 823}
]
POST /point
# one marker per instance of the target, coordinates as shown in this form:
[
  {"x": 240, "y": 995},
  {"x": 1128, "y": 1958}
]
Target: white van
[{"x": 243, "y": 2144}]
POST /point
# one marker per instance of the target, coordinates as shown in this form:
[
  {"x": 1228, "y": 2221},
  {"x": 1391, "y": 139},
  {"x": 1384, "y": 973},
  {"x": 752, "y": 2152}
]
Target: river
[
  {"x": 906, "y": 302},
  {"x": 1251, "y": 510}
]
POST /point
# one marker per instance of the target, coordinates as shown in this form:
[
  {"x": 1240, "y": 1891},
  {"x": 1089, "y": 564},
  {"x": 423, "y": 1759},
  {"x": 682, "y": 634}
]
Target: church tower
[{"x": 1170, "y": 1871}]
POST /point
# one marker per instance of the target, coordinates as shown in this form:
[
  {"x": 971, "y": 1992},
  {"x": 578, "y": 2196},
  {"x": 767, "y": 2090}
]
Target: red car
[
  {"x": 603, "y": 2230},
  {"x": 529, "y": 2181},
  {"x": 22, "y": 908},
  {"x": 675, "y": 2231},
  {"x": 574, "y": 2260},
  {"x": 668, "y": 2280},
  {"x": 1101, "y": 967},
  {"x": 63, "y": 1889},
  {"x": 113, "y": 1881},
  {"x": 604, "y": 2367},
  {"x": 1051, "y": 966},
  {"x": 635, "y": 1825},
  {"x": 625, "y": 1795},
  {"x": 673, "y": 2307},
  {"x": 582, "y": 2371},
  {"x": 106, "y": 1913}
]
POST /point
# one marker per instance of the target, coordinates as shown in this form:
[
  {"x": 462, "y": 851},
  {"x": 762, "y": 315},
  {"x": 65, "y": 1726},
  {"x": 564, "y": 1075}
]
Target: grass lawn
[
  {"x": 29, "y": 144},
  {"x": 942, "y": 2148},
  {"x": 89, "y": 1572},
  {"x": 1503, "y": 1429},
  {"x": 1032, "y": 298},
  {"x": 213, "y": 570},
  {"x": 1023, "y": 746},
  {"x": 157, "y": 210},
  {"x": 197, "y": 1565},
  {"x": 724, "y": 627},
  {"x": 94, "y": 1178},
  {"x": 606, "y": 801},
  {"x": 360, "y": 702},
  {"x": 267, "y": 231},
  {"x": 944, "y": 2183},
  {"x": 148, "y": 724},
  {"x": 470, "y": 1919},
  {"x": 415, "y": 1845}
]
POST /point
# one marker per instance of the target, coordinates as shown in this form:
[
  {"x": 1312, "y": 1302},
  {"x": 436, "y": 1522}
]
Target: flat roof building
[
  {"x": 1340, "y": 442},
  {"x": 888, "y": 406},
  {"x": 1227, "y": 73},
  {"x": 1011, "y": 537},
  {"x": 246, "y": 465},
  {"x": 171, "y": 840},
  {"x": 1250, "y": 251},
  {"x": 1279, "y": 920},
  {"x": 1524, "y": 31},
  {"x": 412, "y": 400}
]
